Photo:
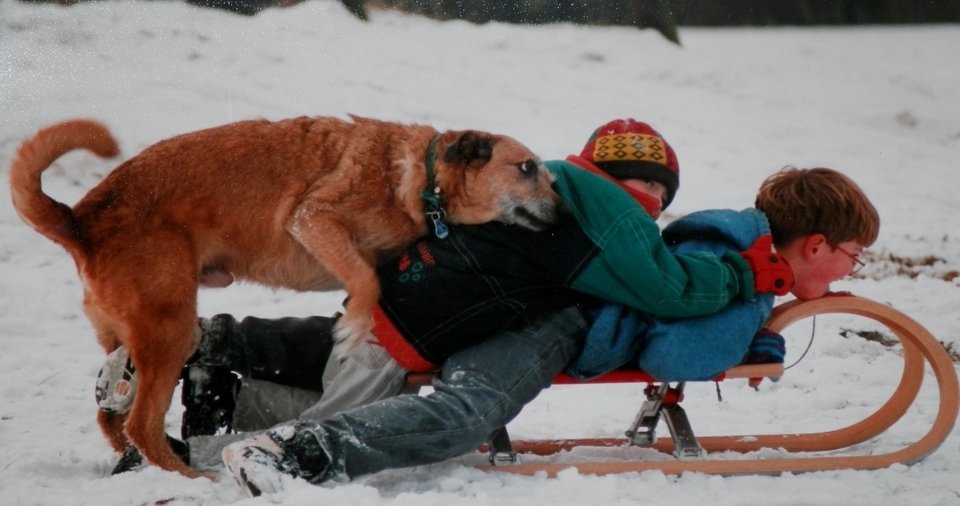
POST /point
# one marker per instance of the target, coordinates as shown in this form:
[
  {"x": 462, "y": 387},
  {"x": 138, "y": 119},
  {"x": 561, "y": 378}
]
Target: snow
[{"x": 880, "y": 103}]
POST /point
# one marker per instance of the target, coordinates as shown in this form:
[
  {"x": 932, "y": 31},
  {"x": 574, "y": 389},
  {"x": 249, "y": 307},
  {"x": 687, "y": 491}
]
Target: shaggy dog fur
[{"x": 304, "y": 203}]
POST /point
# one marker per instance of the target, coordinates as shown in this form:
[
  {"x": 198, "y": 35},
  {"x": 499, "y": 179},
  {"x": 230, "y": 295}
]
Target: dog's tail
[{"x": 49, "y": 217}]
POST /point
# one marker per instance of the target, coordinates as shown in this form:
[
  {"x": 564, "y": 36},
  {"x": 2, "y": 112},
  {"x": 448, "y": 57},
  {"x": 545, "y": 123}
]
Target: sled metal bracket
[{"x": 501, "y": 449}]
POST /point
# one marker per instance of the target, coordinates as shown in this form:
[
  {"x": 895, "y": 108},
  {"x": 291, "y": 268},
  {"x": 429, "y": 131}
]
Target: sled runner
[{"x": 696, "y": 453}]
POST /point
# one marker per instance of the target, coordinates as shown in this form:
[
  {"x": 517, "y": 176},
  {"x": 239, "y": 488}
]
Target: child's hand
[
  {"x": 771, "y": 271},
  {"x": 767, "y": 347}
]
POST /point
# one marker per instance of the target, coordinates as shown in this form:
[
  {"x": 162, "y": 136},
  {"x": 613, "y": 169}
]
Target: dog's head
[{"x": 486, "y": 177}]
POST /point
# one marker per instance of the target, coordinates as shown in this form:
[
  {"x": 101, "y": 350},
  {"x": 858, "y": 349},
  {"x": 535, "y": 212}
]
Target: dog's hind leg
[
  {"x": 151, "y": 304},
  {"x": 111, "y": 424},
  {"x": 161, "y": 342},
  {"x": 158, "y": 371}
]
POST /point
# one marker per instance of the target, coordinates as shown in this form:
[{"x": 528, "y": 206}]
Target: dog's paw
[{"x": 350, "y": 333}]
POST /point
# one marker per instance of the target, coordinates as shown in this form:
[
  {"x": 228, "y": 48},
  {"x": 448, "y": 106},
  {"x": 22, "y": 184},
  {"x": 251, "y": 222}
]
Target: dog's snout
[
  {"x": 529, "y": 168},
  {"x": 536, "y": 215}
]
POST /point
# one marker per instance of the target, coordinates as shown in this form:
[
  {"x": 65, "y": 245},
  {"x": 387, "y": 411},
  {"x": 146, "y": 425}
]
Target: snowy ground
[{"x": 881, "y": 103}]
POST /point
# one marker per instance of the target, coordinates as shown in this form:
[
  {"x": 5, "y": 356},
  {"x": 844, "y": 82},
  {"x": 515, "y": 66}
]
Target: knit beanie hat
[{"x": 630, "y": 149}]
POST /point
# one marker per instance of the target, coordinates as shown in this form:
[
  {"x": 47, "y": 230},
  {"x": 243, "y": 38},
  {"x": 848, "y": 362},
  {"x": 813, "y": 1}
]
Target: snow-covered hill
[{"x": 881, "y": 103}]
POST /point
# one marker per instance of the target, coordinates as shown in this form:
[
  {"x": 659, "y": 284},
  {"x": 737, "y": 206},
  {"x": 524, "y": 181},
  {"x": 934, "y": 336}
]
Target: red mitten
[{"x": 771, "y": 271}]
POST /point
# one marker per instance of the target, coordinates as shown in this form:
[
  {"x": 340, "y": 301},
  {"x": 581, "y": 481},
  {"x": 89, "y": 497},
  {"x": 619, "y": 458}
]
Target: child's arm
[{"x": 633, "y": 265}]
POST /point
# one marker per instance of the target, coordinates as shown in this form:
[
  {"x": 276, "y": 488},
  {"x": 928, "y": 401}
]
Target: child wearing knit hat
[
  {"x": 630, "y": 150},
  {"x": 820, "y": 221}
]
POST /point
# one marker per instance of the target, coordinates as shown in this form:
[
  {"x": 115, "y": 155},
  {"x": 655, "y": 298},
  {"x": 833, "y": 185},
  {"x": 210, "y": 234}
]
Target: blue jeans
[{"x": 479, "y": 390}]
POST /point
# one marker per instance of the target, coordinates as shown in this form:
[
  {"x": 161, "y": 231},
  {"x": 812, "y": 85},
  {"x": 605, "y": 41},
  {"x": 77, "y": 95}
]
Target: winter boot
[
  {"x": 260, "y": 464},
  {"x": 209, "y": 396}
]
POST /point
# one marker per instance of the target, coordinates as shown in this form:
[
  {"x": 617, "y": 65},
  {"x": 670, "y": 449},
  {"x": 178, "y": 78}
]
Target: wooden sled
[{"x": 692, "y": 453}]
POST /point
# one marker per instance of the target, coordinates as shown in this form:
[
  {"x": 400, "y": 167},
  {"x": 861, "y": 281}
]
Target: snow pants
[
  {"x": 289, "y": 373},
  {"x": 479, "y": 389}
]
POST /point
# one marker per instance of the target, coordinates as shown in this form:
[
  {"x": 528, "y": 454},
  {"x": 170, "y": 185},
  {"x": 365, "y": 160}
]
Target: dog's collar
[{"x": 432, "y": 199}]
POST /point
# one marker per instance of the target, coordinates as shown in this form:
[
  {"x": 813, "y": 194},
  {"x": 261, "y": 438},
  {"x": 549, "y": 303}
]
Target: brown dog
[{"x": 305, "y": 203}]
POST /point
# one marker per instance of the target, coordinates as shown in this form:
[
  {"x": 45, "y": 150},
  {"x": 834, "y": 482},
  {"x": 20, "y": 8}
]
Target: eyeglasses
[{"x": 856, "y": 258}]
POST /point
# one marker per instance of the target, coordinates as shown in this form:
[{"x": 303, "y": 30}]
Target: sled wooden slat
[{"x": 919, "y": 348}]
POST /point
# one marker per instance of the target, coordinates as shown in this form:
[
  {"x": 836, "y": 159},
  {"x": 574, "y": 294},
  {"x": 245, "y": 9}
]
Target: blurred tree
[
  {"x": 245, "y": 7},
  {"x": 654, "y": 14},
  {"x": 662, "y": 15},
  {"x": 812, "y": 12}
]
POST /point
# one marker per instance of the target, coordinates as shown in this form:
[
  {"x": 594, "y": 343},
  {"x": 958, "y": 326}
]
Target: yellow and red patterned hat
[{"x": 631, "y": 149}]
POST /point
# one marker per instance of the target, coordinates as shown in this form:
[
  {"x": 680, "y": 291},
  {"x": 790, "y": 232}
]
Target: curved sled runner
[{"x": 692, "y": 453}]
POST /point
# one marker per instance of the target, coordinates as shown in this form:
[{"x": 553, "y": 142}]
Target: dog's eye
[{"x": 528, "y": 167}]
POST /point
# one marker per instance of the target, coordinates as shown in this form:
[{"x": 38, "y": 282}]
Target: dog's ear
[{"x": 470, "y": 147}]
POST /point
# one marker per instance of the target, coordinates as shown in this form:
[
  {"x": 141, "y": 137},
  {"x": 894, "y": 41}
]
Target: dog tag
[{"x": 440, "y": 228}]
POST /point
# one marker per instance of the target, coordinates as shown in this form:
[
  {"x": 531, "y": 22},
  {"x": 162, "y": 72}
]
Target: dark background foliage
[{"x": 662, "y": 15}]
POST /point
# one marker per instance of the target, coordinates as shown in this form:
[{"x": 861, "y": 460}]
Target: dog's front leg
[{"x": 331, "y": 244}]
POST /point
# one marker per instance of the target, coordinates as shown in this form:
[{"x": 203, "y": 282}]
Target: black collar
[{"x": 432, "y": 199}]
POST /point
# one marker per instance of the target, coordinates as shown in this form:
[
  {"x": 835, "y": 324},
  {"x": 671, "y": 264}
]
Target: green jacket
[{"x": 633, "y": 266}]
